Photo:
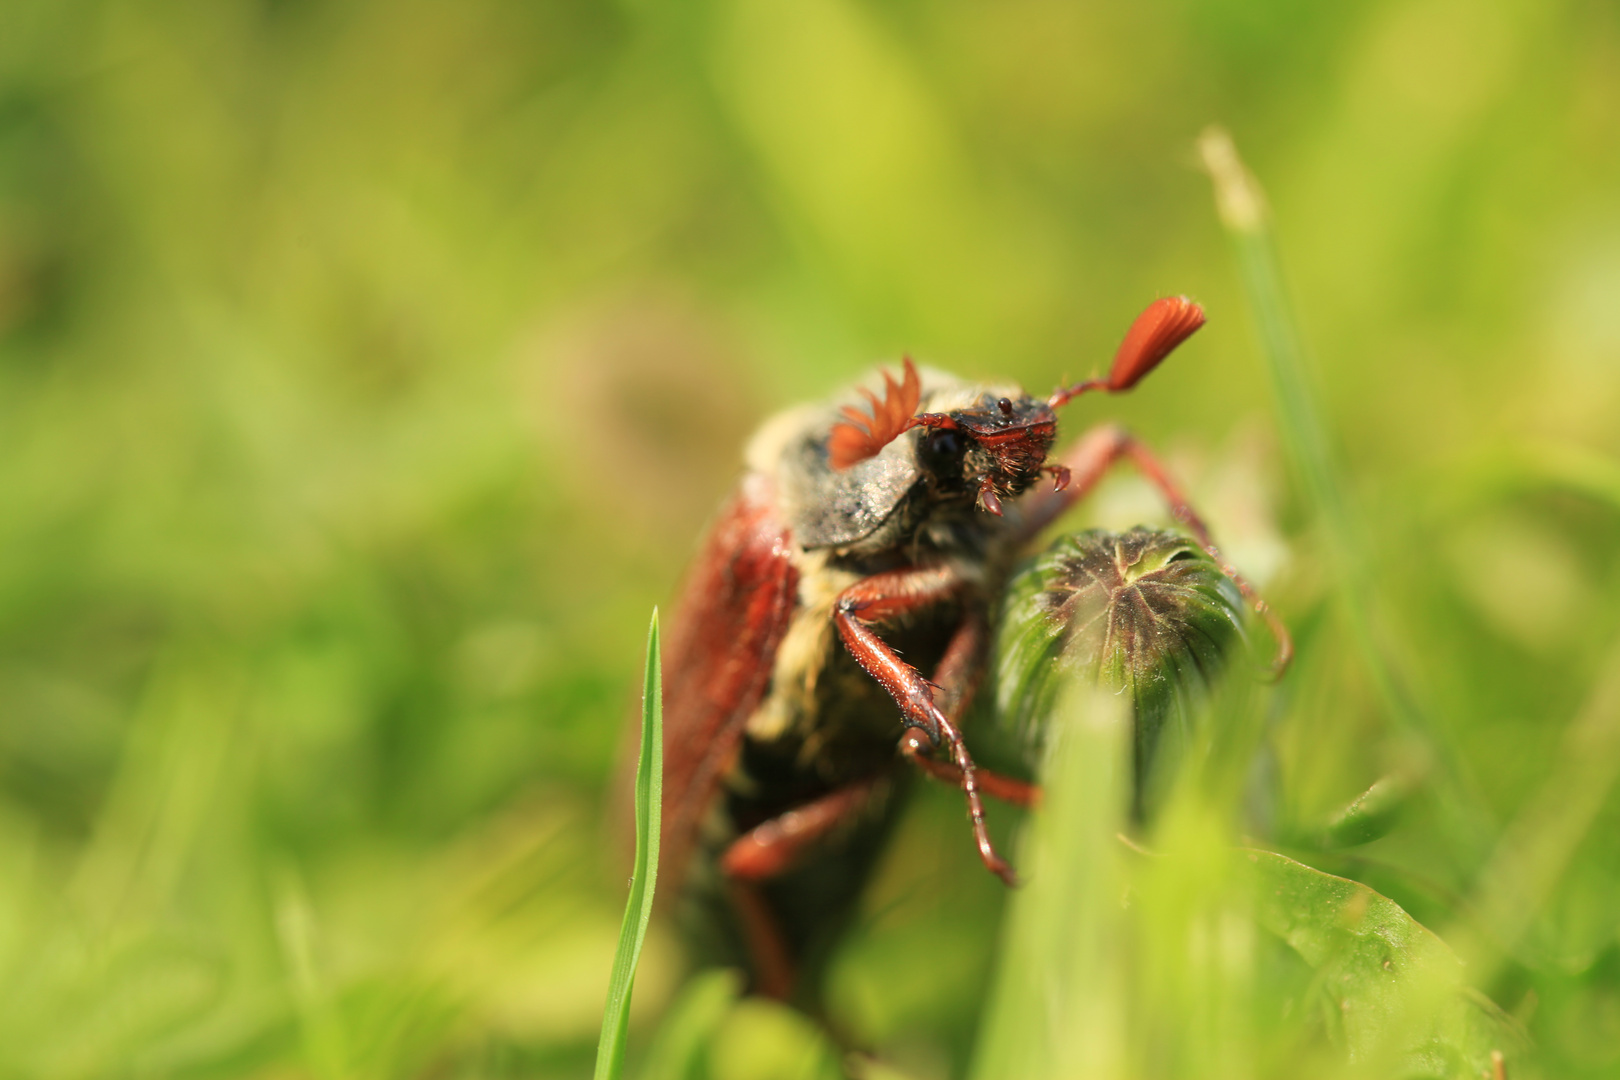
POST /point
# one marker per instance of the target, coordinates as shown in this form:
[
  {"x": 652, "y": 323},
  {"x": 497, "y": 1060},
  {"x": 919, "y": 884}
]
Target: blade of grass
[
  {"x": 320, "y": 1022},
  {"x": 644, "y": 878},
  {"x": 1243, "y": 212},
  {"x": 1058, "y": 1006}
]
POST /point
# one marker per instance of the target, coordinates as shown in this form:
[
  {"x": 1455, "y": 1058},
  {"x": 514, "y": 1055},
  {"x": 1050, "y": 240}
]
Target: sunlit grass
[{"x": 367, "y": 370}]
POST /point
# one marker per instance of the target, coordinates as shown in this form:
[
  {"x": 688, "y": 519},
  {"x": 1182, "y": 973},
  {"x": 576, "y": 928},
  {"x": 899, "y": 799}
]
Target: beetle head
[{"x": 995, "y": 447}]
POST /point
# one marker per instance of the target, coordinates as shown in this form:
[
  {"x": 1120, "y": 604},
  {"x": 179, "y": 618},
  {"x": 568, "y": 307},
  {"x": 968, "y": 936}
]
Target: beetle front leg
[
  {"x": 882, "y": 597},
  {"x": 1088, "y": 462},
  {"x": 957, "y": 679},
  {"x": 1007, "y": 789}
]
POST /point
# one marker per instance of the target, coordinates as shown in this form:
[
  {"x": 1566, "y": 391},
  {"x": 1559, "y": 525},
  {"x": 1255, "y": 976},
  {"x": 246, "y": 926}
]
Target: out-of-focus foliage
[
  {"x": 1088, "y": 987},
  {"x": 367, "y": 370},
  {"x": 1384, "y": 987},
  {"x": 1114, "y": 648}
]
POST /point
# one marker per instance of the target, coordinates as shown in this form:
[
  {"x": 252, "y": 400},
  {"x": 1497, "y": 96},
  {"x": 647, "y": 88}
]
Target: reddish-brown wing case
[{"x": 737, "y": 603}]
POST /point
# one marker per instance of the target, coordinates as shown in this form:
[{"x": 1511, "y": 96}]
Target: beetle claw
[{"x": 1060, "y": 476}]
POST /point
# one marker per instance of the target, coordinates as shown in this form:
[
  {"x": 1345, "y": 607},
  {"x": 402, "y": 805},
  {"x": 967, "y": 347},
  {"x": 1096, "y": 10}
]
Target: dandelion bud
[{"x": 1144, "y": 613}]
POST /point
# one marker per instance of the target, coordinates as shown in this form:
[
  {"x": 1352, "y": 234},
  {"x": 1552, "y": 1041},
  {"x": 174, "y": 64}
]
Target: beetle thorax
[{"x": 923, "y": 489}]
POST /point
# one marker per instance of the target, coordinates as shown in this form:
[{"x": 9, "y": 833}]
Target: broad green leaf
[
  {"x": 643, "y": 879},
  {"x": 1392, "y": 990}
]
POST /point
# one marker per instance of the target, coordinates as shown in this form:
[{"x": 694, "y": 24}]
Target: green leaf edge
[
  {"x": 644, "y": 877},
  {"x": 1340, "y": 923}
]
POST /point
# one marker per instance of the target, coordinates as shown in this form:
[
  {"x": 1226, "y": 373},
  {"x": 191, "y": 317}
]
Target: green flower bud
[{"x": 1145, "y": 613}]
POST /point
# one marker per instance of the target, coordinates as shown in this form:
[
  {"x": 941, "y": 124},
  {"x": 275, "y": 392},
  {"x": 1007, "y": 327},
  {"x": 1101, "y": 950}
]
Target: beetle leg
[
  {"x": 957, "y": 679},
  {"x": 994, "y": 784},
  {"x": 877, "y": 599},
  {"x": 1006, "y": 788},
  {"x": 883, "y": 596},
  {"x": 776, "y": 846},
  {"x": 770, "y": 849},
  {"x": 774, "y": 970},
  {"x": 1087, "y": 463}
]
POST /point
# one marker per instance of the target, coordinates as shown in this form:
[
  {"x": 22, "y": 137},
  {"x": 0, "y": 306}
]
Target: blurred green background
[{"x": 368, "y": 370}]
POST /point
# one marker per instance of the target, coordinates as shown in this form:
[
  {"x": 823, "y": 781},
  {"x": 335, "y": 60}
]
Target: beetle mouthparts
[{"x": 987, "y": 497}]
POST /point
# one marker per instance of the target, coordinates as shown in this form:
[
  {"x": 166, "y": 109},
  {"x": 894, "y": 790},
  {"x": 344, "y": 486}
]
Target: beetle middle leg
[
  {"x": 1084, "y": 466},
  {"x": 883, "y": 596},
  {"x": 771, "y": 849}
]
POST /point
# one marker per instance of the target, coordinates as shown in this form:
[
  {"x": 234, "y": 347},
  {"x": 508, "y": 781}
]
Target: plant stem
[{"x": 1243, "y": 212}]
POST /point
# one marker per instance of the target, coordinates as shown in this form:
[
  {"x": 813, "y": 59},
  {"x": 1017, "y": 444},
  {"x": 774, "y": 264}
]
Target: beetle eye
[
  {"x": 1005, "y": 406},
  {"x": 944, "y": 444}
]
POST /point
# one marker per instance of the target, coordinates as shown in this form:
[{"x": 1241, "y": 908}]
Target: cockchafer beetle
[{"x": 862, "y": 548}]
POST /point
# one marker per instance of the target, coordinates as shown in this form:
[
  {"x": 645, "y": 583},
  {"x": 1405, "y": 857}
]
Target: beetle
[{"x": 862, "y": 547}]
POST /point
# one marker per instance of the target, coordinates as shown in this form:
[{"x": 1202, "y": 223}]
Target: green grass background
[{"x": 368, "y": 370}]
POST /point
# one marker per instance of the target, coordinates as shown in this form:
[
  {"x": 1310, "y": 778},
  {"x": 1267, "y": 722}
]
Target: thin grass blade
[
  {"x": 1058, "y": 1007},
  {"x": 1243, "y": 212},
  {"x": 644, "y": 878}
]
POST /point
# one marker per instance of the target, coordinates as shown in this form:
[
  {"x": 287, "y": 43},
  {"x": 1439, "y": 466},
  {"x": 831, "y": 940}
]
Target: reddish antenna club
[{"x": 1154, "y": 335}]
